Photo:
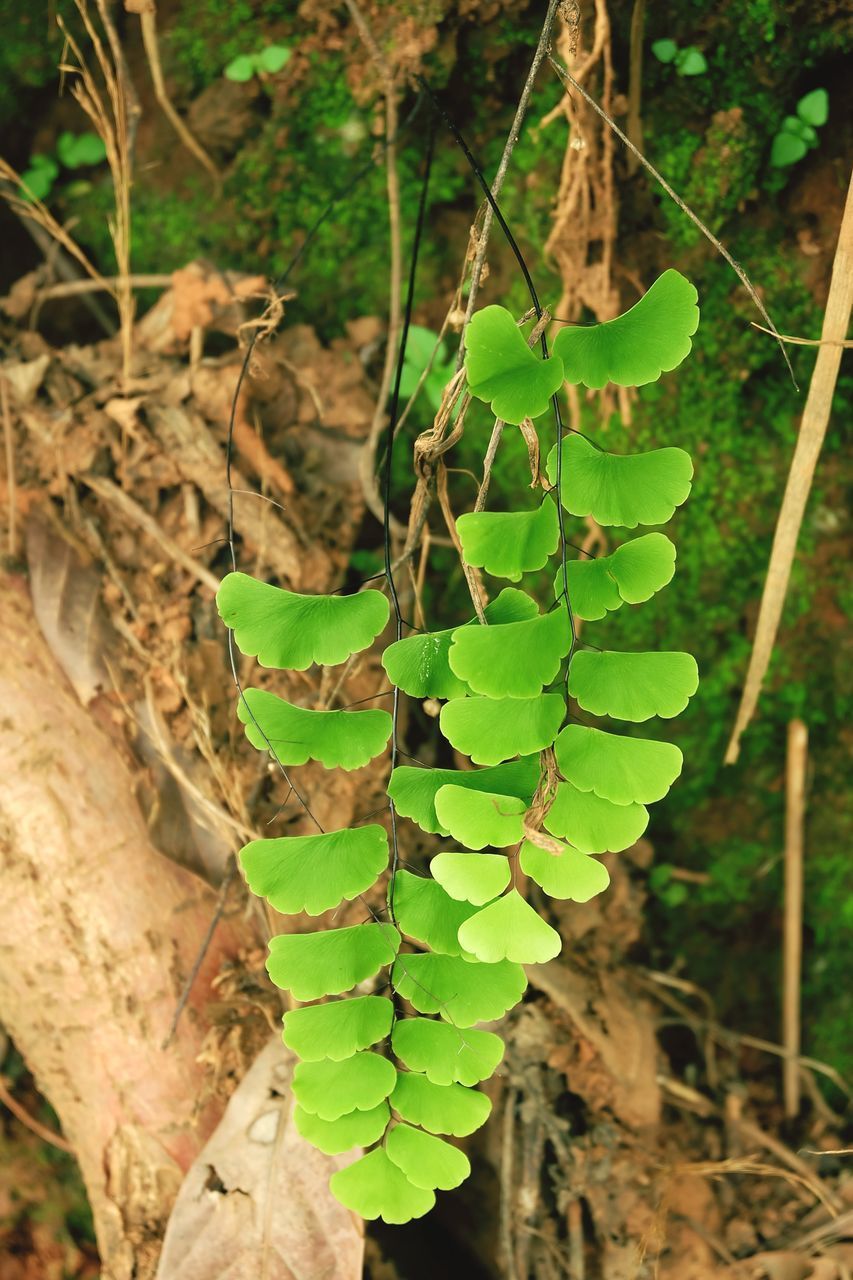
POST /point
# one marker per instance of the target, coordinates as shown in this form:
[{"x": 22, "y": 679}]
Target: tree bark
[{"x": 98, "y": 932}]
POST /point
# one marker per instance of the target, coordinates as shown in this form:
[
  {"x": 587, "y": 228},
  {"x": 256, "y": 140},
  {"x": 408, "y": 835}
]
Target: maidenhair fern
[{"x": 394, "y": 1068}]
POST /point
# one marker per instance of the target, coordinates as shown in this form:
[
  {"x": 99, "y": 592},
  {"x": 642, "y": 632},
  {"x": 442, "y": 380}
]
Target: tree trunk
[{"x": 97, "y": 934}]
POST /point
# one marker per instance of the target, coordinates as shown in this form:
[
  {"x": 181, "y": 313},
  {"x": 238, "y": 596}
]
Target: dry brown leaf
[
  {"x": 66, "y": 596},
  {"x": 255, "y": 1205}
]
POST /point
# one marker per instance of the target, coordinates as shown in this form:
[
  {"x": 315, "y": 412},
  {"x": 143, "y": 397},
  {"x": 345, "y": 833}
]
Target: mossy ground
[{"x": 731, "y": 405}]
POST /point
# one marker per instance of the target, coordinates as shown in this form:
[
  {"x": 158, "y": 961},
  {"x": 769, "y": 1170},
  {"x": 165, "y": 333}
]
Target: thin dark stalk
[{"x": 386, "y": 497}]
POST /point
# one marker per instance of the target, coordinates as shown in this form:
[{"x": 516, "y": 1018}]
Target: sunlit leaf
[
  {"x": 504, "y": 371},
  {"x": 374, "y": 1187},
  {"x": 337, "y": 1030},
  {"x": 621, "y": 489},
  {"x": 480, "y": 818},
  {"x": 690, "y": 62},
  {"x": 491, "y": 730},
  {"x": 624, "y": 770},
  {"x": 571, "y": 875},
  {"x": 290, "y": 631},
  {"x": 635, "y": 348},
  {"x": 418, "y": 665},
  {"x": 633, "y": 686},
  {"x": 357, "y": 1129},
  {"x": 425, "y": 912},
  {"x": 426, "y": 1161},
  {"x": 516, "y": 659},
  {"x": 471, "y": 878},
  {"x": 273, "y": 58},
  {"x": 311, "y": 965},
  {"x": 445, "y": 1053},
  {"x": 462, "y": 991},
  {"x": 314, "y": 873},
  {"x": 787, "y": 149},
  {"x": 632, "y": 573},
  {"x": 664, "y": 50},
  {"x": 330, "y": 1089},
  {"x": 241, "y": 68},
  {"x": 337, "y": 739},
  {"x": 508, "y": 544},
  {"x": 414, "y": 790},
  {"x": 440, "y": 1108},
  {"x": 510, "y": 929},
  {"x": 594, "y": 825},
  {"x": 813, "y": 109}
]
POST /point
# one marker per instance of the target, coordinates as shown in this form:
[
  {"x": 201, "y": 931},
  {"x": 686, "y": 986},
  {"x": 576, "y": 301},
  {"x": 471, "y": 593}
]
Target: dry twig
[
  {"x": 798, "y": 737},
  {"x": 809, "y": 443}
]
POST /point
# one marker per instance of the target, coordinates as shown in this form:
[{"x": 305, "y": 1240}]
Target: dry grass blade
[
  {"x": 147, "y": 11},
  {"x": 109, "y": 101},
  {"x": 797, "y": 490},
  {"x": 798, "y": 738}
]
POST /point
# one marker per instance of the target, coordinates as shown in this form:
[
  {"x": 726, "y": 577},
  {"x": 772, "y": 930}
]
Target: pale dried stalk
[
  {"x": 36, "y": 211},
  {"x": 809, "y": 443},
  {"x": 148, "y": 21},
  {"x": 108, "y": 112},
  {"x": 795, "y": 793},
  {"x": 367, "y": 458}
]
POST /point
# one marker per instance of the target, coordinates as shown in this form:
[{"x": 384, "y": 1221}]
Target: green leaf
[
  {"x": 418, "y": 665},
  {"x": 508, "y": 544},
  {"x": 78, "y": 150},
  {"x": 358, "y": 1129},
  {"x": 444, "y": 1053},
  {"x": 471, "y": 878},
  {"x": 440, "y": 1108},
  {"x": 633, "y": 686},
  {"x": 630, "y": 574},
  {"x": 814, "y": 108},
  {"x": 40, "y": 176},
  {"x": 515, "y": 659},
  {"x": 426, "y": 913},
  {"x": 664, "y": 50},
  {"x": 311, "y": 965},
  {"x": 491, "y": 730},
  {"x": 273, "y": 58},
  {"x": 594, "y": 825},
  {"x": 289, "y": 631},
  {"x": 622, "y": 489},
  {"x": 462, "y": 991},
  {"x": 638, "y": 346},
  {"x": 624, "y": 770},
  {"x": 413, "y": 790},
  {"x": 510, "y": 929},
  {"x": 374, "y": 1187},
  {"x": 799, "y": 128},
  {"x": 503, "y": 371},
  {"x": 570, "y": 876},
  {"x": 315, "y": 873},
  {"x": 426, "y": 1161},
  {"x": 337, "y": 1030},
  {"x": 690, "y": 62},
  {"x": 786, "y": 150},
  {"x": 480, "y": 818},
  {"x": 337, "y": 739},
  {"x": 241, "y": 68},
  {"x": 330, "y": 1089}
]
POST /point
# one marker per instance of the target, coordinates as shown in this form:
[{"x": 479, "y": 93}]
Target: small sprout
[
  {"x": 76, "y": 151},
  {"x": 689, "y": 61},
  {"x": 39, "y": 177},
  {"x": 797, "y": 135},
  {"x": 266, "y": 62}
]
